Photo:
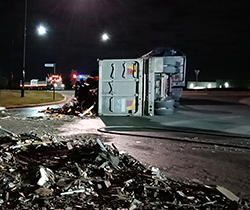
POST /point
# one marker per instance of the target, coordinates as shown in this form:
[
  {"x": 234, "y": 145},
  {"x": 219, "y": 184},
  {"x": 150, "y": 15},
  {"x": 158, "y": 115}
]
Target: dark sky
[{"x": 214, "y": 34}]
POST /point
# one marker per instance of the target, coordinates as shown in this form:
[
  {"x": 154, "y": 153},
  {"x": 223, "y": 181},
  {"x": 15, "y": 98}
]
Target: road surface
[{"x": 183, "y": 158}]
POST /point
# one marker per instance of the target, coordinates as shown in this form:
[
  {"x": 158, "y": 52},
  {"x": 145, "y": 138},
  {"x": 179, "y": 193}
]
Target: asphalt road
[
  {"x": 178, "y": 154},
  {"x": 199, "y": 111}
]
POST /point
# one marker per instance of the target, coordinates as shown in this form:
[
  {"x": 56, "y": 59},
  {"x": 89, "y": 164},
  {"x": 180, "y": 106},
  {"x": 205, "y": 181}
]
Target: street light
[
  {"x": 24, "y": 47},
  {"x": 105, "y": 37},
  {"x": 41, "y": 31}
]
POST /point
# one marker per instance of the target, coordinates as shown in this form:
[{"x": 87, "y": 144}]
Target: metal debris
[
  {"x": 87, "y": 174},
  {"x": 228, "y": 194},
  {"x": 84, "y": 103},
  {"x": 71, "y": 108}
]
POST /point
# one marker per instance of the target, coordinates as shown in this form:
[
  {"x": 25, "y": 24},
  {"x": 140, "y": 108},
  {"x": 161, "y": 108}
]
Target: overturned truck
[{"x": 150, "y": 85}]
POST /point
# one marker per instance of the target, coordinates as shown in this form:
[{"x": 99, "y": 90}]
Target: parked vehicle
[
  {"x": 47, "y": 84},
  {"x": 57, "y": 81}
]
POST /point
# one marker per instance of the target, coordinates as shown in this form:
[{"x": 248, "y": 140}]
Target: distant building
[
  {"x": 200, "y": 85},
  {"x": 224, "y": 84}
]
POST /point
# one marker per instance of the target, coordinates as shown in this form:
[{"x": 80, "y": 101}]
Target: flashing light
[
  {"x": 74, "y": 76},
  {"x": 80, "y": 76},
  {"x": 55, "y": 77}
]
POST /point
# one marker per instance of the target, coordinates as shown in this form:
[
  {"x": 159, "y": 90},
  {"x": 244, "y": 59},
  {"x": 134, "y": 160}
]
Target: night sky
[{"x": 214, "y": 35}]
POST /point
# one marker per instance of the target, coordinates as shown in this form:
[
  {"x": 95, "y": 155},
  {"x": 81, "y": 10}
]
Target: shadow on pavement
[
  {"x": 185, "y": 101},
  {"x": 187, "y": 108},
  {"x": 145, "y": 128},
  {"x": 145, "y": 124}
]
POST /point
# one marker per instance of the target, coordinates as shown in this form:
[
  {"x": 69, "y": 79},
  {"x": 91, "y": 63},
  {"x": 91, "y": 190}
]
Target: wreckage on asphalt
[{"x": 44, "y": 173}]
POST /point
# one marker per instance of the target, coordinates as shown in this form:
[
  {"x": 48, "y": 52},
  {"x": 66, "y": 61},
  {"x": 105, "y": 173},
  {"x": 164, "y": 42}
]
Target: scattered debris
[
  {"x": 85, "y": 102},
  {"x": 42, "y": 173},
  {"x": 71, "y": 108}
]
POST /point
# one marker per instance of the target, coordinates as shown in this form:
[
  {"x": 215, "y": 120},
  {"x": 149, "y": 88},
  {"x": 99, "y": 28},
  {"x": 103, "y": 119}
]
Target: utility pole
[{"x": 24, "y": 47}]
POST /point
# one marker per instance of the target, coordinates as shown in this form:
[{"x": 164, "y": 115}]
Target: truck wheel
[
  {"x": 163, "y": 111},
  {"x": 165, "y": 104}
]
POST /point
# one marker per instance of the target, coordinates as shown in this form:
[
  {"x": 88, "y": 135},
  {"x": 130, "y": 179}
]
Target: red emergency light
[
  {"x": 55, "y": 77},
  {"x": 74, "y": 76}
]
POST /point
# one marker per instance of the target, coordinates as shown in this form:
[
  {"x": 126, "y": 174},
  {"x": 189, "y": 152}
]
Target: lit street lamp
[
  {"x": 105, "y": 37},
  {"x": 41, "y": 30}
]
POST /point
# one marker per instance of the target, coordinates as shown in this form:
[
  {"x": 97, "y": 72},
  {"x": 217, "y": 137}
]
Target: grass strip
[{"x": 10, "y": 98}]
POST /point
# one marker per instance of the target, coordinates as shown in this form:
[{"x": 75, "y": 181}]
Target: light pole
[{"x": 24, "y": 47}]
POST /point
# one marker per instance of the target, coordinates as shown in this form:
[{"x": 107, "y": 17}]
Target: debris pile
[
  {"x": 71, "y": 108},
  {"x": 43, "y": 173},
  {"x": 85, "y": 101}
]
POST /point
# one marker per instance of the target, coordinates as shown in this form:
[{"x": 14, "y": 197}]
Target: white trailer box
[
  {"x": 148, "y": 85},
  {"x": 120, "y": 87}
]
